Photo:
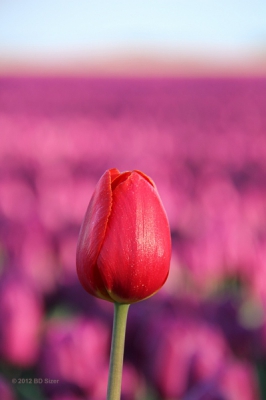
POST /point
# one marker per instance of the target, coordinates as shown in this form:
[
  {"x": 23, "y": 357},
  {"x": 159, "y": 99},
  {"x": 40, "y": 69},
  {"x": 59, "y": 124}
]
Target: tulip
[
  {"x": 123, "y": 252},
  {"x": 124, "y": 246}
]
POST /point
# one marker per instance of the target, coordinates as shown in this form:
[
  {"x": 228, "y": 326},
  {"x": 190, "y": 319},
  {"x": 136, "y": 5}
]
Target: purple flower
[
  {"x": 6, "y": 392},
  {"x": 76, "y": 352}
]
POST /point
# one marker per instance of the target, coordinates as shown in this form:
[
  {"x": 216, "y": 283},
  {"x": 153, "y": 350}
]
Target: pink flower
[
  {"x": 75, "y": 351},
  {"x": 21, "y": 316},
  {"x": 239, "y": 381}
]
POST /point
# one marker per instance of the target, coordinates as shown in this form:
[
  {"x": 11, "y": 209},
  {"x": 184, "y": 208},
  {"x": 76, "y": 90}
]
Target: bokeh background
[{"x": 176, "y": 89}]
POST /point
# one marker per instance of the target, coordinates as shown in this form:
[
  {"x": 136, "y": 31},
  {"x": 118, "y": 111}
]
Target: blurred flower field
[{"x": 203, "y": 141}]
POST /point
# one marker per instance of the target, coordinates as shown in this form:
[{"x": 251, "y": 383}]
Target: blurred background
[{"x": 176, "y": 89}]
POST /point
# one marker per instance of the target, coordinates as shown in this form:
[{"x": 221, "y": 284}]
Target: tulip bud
[{"x": 124, "y": 246}]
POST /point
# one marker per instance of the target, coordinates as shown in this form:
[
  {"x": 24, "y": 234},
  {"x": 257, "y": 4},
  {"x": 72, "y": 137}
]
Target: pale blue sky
[{"x": 54, "y": 26}]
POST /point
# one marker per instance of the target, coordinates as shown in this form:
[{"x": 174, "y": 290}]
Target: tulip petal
[
  {"x": 135, "y": 255},
  {"x": 120, "y": 178},
  {"x": 145, "y": 177},
  {"x": 92, "y": 234}
]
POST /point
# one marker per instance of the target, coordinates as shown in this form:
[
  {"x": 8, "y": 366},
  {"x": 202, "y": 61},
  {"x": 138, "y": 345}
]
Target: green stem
[{"x": 117, "y": 351}]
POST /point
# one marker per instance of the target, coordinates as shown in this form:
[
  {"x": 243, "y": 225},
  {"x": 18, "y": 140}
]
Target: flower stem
[{"x": 117, "y": 351}]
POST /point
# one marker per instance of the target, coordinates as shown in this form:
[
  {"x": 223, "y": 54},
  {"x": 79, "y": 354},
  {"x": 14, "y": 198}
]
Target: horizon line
[{"x": 136, "y": 65}]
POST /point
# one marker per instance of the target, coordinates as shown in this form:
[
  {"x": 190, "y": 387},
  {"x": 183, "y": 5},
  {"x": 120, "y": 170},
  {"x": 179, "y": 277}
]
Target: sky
[{"x": 90, "y": 29}]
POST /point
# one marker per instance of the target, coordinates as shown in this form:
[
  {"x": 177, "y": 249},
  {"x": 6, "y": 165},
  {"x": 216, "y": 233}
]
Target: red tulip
[{"x": 124, "y": 246}]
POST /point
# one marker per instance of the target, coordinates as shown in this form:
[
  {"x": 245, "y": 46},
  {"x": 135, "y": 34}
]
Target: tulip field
[{"x": 203, "y": 142}]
